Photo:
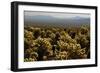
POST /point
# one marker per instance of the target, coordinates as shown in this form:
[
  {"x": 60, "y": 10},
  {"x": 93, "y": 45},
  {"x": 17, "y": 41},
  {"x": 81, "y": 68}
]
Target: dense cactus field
[{"x": 43, "y": 44}]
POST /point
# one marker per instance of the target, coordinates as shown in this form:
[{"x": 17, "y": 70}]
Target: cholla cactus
[
  {"x": 62, "y": 45},
  {"x": 29, "y": 60},
  {"x": 82, "y": 53},
  {"x": 41, "y": 44},
  {"x": 28, "y": 34},
  {"x": 37, "y": 32},
  {"x": 44, "y": 43},
  {"x": 62, "y": 56},
  {"x": 84, "y": 30}
]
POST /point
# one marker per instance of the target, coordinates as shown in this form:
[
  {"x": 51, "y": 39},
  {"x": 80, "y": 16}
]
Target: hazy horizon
[{"x": 55, "y": 18}]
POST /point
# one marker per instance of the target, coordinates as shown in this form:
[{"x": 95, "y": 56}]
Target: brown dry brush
[{"x": 42, "y": 44}]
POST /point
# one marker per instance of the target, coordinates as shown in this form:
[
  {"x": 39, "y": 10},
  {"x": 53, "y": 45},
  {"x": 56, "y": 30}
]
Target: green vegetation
[{"x": 42, "y": 44}]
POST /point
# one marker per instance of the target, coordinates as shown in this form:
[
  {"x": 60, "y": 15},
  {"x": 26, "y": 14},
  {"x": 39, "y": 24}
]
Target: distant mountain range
[{"x": 41, "y": 20}]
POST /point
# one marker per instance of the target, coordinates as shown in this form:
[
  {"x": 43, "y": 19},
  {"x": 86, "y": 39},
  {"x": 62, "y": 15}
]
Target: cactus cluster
[{"x": 42, "y": 44}]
